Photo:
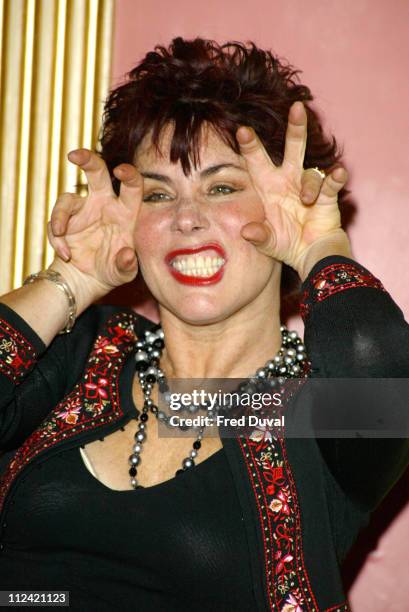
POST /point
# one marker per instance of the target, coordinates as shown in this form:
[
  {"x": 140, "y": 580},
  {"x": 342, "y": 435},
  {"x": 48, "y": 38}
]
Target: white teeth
[{"x": 197, "y": 265}]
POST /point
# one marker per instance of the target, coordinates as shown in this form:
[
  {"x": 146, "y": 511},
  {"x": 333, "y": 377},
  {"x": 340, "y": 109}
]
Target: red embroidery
[
  {"x": 17, "y": 355},
  {"x": 333, "y": 279},
  {"x": 270, "y": 474},
  {"x": 92, "y": 403}
]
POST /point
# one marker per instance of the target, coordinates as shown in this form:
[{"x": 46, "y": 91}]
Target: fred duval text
[{"x": 220, "y": 420}]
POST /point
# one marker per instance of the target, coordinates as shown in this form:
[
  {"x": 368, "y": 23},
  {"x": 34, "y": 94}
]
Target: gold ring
[{"x": 320, "y": 172}]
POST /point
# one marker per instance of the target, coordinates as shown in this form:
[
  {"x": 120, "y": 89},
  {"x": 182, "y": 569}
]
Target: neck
[{"x": 233, "y": 348}]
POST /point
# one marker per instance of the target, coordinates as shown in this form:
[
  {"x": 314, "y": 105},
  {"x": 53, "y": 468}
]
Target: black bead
[
  {"x": 197, "y": 444},
  {"x": 141, "y": 366},
  {"x": 144, "y": 417},
  {"x": 154, "y": 409},
  {"x": 159, "y": 343},
  {"x": 132, "y": 471},
  {"x": 151, "y": 378}
]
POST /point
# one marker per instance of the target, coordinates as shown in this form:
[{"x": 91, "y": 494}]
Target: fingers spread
[
  {"x": 296, "y": 136},
  {"x": 97, "y": 174},
  {"x": 131, "y": 185}
]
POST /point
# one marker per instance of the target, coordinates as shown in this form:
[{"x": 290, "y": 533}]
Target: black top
[
  {"x": 178, "y": 545},
  {"x": 54, "y": 534}
]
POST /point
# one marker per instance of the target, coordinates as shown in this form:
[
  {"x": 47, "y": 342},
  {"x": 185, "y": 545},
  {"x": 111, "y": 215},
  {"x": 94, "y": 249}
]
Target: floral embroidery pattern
[
  {"x": 270, "y": 474},
  {"x": 17, "y": 355},
  {"x": 93, "y": 402},
  {"x": 333, "y": 279}
]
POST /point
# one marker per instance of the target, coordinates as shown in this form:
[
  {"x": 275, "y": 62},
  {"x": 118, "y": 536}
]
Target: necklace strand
[{"x": 288, "y": 363}]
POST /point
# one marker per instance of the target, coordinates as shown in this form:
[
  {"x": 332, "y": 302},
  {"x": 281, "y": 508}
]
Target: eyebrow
[{"x": 203, "y": 174}]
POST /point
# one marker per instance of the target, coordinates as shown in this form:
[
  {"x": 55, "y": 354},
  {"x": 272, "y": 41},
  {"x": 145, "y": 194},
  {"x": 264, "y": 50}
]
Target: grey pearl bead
[
  {"x": 188, "y": 463},
  {"x": 140, "y": 436},
  {"x": 137, "y": 448},
  {"x": 300, "y": 356},
  {"x": 134, "y": 482},
  {"x": 261, "y": 373},
  {"x": 161, "y": 415},
  {"x": 296, "y": 369},
  {"x": 193, "y": 453},
  {"x": 291, "y": 352},
  {"x": 141, "y": 426},
  {"x": 134, "y": 459},
  {"x": 288, "y": 360},
  {"x": 300, "y": 348},
  {"x": 160, "y": 334},
  {"x": 278, "y": 359},
  {"x": 270, "y": 365},
  {"x": 293, "y": 335}
]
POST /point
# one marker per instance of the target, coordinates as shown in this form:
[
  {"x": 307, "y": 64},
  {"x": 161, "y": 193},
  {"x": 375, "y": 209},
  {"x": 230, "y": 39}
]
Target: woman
[{"x": 201, "y": 187}]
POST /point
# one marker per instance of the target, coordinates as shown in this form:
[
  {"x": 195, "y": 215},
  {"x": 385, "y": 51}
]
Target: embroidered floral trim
[
  {"x": 287, "y": 583},
  {"x": 92, "y": 403},
  {"x": 333, "y": 279},
  {"x": 270, "y": 474},
  {"x": 17, "y": 355}
]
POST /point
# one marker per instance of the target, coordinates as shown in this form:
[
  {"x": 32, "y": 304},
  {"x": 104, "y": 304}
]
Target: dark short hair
[{"x": 193, "y": 82}]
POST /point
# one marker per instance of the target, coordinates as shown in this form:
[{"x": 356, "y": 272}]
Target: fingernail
[
  {"x": 308, "y": 196},
  {"x": 245, "y": 134}
]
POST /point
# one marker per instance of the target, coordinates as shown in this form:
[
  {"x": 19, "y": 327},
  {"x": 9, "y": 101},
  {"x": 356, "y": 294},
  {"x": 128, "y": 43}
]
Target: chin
[{"x": 199, "y": 310}]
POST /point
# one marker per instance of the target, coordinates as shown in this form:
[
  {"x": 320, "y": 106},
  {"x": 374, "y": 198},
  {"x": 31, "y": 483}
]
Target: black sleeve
[
  {"x": 353, "y": 329},
  {"x": 34, "y": 378}
]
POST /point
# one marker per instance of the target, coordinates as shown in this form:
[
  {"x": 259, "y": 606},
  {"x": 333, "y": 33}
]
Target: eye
[
  {"x": 222, "y": 190},
  {"x": 157, "y": 196}
]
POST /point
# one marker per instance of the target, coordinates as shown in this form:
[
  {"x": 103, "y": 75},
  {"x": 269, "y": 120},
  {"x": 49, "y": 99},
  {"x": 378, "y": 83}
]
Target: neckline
[{"x": 180, "y": 478}]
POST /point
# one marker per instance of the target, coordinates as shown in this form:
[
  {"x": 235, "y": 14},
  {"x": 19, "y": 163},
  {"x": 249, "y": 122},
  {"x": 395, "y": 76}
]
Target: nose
[{"x": 189, "y": 216}]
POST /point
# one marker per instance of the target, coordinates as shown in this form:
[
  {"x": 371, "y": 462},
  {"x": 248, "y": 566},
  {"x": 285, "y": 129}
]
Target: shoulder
[{"x": 97, "y": 317}]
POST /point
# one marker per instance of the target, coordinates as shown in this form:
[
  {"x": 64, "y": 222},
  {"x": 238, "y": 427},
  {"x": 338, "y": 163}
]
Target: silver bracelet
[{"x": 56, "y": 278}]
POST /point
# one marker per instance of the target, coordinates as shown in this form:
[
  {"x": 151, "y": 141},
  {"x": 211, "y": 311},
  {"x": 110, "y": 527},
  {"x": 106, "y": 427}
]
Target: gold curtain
[{"x": 55, "y": 71}]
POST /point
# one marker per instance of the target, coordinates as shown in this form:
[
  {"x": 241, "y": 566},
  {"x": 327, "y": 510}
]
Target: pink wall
[{"x": 354, "y": 56}]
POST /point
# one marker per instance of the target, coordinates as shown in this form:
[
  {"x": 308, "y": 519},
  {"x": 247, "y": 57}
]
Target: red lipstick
[{"x": 196, "y": 280}]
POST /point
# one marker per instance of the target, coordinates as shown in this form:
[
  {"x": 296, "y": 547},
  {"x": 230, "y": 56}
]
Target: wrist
[
  {"x": 336, "y": 243},
  {"x": 85, "y": 290}
]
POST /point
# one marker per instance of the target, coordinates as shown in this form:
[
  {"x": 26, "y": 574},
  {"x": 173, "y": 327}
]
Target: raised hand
[
  {"x": 301, "y": 210},
  {"x": 94, "y": 235}
]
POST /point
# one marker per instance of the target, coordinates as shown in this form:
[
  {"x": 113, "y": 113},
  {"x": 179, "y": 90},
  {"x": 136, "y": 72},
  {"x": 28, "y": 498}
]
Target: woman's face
[{"x": 188, "y": 242}]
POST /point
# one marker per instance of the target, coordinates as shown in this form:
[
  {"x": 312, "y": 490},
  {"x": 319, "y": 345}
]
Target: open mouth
[{"x": 201, "y": 265}]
